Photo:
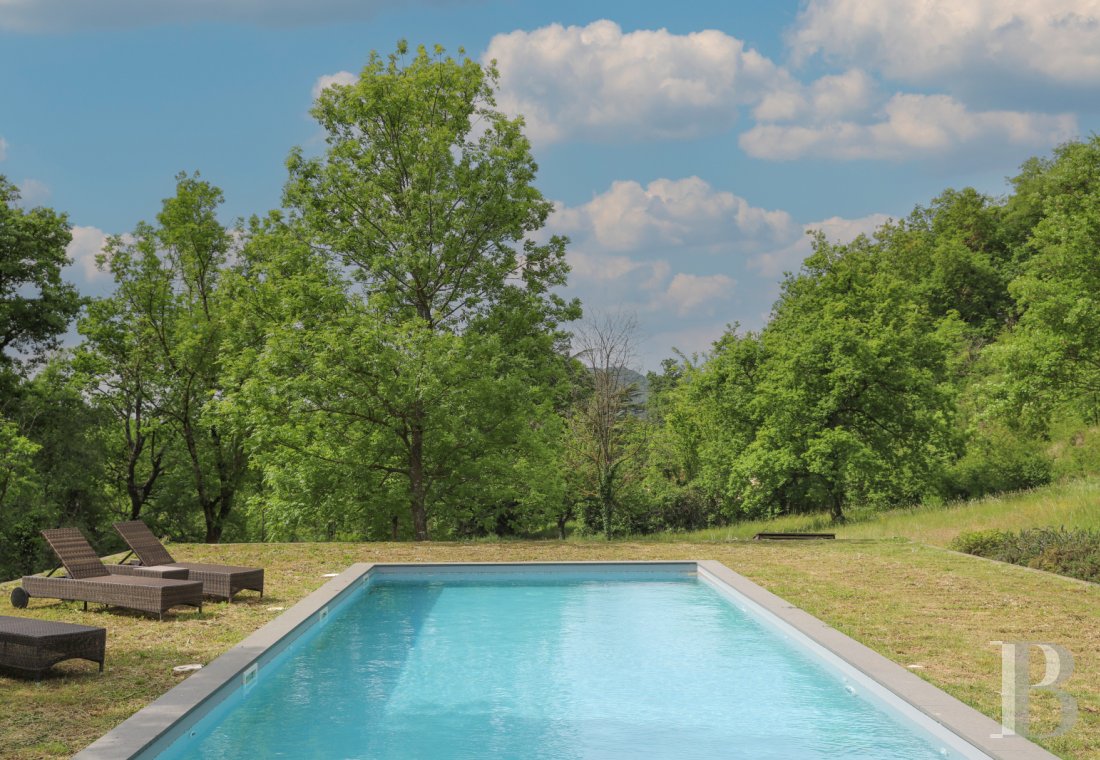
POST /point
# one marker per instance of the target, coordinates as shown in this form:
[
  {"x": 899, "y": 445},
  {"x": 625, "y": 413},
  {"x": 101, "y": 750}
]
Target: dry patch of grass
[{"x": 915, "y": 604}]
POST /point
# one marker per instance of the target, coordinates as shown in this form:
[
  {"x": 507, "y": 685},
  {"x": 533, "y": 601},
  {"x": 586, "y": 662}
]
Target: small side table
[{"x": 155, "y": 571}]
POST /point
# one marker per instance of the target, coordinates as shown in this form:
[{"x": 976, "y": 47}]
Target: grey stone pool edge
[
  {"x": 153, "y": 728},
  {"x": 959, "y": 718}
]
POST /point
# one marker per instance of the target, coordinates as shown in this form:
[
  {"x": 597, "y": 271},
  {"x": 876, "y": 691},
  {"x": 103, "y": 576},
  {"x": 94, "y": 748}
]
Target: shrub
[
  {"x": 983, "y": 543},
  {"x": 997, "y": 461},
  {"x": 1074, "y": 553}
]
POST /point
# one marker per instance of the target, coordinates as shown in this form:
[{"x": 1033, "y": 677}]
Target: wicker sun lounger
[
  {"x": 33, "y": 646},
  {"x": 217, "y": 580},
  {"x": 90, "y": 581}
]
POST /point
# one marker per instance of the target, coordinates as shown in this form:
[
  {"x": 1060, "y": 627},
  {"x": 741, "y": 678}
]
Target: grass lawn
[{"x": 916, "y": 604}]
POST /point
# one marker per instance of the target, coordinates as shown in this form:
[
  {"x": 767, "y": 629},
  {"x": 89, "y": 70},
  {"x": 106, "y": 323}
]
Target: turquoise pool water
[{"x": 538, "y": 668}]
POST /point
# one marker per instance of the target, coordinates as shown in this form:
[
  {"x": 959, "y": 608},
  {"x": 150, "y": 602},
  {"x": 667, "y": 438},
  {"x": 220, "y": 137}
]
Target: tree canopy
[
  {"x": 36, "y": 305},
  {"x": 433, "y": 340}
]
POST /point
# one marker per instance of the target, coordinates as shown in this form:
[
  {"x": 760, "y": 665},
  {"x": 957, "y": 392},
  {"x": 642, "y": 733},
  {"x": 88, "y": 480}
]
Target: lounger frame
[
  {"x": 89, "y": 580},
  {"x": 222, "y": 581}
]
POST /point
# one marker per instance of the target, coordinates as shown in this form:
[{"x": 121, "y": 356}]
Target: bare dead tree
[{"x": 606, "y": 441}]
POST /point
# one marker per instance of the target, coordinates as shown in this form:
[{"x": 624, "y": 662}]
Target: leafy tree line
[
  {"x": 954, "y": 353},
  {"x": 386, "y": 356}
]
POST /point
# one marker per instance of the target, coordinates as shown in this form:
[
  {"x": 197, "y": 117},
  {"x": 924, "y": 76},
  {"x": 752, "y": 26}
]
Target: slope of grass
[
  {"x": 1074, "y": 504},
  {"x": 921, "y": 606}
]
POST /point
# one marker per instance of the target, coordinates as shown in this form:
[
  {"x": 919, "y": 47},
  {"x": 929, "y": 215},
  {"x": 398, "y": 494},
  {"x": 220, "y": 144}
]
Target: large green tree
[
  {"x": 122, "y": 374},
  {"x": 411, "y": 344},
  {"x": 48, "y": 458},
  {"x": 1051, "y": 359},
  {"x": 36, "y": 305},
  {"x": 157, "y": 345},
  {"x": 712, "y": 415},
  {"x": 850, "y": 400}
]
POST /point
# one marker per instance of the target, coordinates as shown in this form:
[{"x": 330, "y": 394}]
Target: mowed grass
[
  {"x": 918, "y": 605},
  {"x": 1074, "y": 504}
]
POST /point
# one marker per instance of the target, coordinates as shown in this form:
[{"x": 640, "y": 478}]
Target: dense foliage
[
  {"x": 1075, "y": 553},
  {"x": 387, "y": 355},
  {"x": 948, "y": 356}
]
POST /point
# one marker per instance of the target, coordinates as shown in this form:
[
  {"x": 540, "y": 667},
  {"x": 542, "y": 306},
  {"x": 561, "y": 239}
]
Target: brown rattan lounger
[
  {"x": 33, "y": 646},
  {"x": 90, "y": 581},
  {"x": 217, "y": 580}
]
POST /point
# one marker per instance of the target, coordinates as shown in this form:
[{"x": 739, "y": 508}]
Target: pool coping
[{"x": 159, "y": 723}]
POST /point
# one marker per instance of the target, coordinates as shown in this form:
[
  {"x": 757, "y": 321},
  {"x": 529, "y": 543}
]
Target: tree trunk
[
  {"x": 230, "y": 469},
  {"x": 140, "y": 494},
  {"x": 562, "y": 519},
  {"x": 607, "y": 503},
  {"x": 838, "y": 508},
  {"x": 213, "y": 526},
  {"x": 417, "y": 486}
]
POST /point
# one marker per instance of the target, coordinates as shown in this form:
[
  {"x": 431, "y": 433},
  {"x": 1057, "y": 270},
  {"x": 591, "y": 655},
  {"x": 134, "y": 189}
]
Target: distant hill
[{"x": 639, "y": 380}]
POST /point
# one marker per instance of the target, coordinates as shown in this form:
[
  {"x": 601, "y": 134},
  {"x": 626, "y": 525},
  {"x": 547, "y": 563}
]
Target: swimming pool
[{"x": 603, "y": 660}]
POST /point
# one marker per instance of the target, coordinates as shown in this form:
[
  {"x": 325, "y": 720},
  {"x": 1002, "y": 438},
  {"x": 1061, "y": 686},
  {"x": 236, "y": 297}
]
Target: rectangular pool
[{"x": 602, "y": 661}]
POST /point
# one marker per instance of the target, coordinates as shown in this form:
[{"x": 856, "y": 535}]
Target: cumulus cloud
[
  {"x": 328, "y": 80},
  {"x": 65, "y": 15},
  {"x": 909, "y": 126},
  {"x": 664, "y": 249},
  {"x": 934, "y": 41},
  {"x": 684, "y": 213},
  {"x": 688, "y": 292},
  {"x": 33, "y": 192},
  {"x": 3, "y": 148},
  {"x": 86, "y": 244},
  {"x": 698, "y": 339},
  {"x": 597, "y": 82},
  {"x": 835, "y": 96},
  {"x": 684, "y": 256},
  {"x": 836, "y": 229}
]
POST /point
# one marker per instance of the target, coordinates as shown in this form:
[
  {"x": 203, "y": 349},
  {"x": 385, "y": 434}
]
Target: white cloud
[
  {"x": 33, "y": 192},
  {"x": 683, "y": 255},
  {"x": 327, "y": 80},
  {"x": 3, "y": 148},
  {"x": 685, "y": 213},
  {"x": 841, "y": 95},
  {"x": 623, "y": 240},
  {"x": 835, "y": 96},
  {"x": 597, "y": 268},
  {"x": 66, "y": 15},
  {"x": 934, "y": 41},
  {"x": 697, "y": 339},
  {"x": 909, "y": 127},
  {"x": 836, "y": 229},
  {"x": 688, "y": 292},
  {"x": 597, "y": 82},
  {"x": 87, "y": 242}
]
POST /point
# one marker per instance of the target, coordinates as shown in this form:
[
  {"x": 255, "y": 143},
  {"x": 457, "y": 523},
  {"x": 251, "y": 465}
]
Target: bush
[
  {"x": 1077, "y": 454},
  {"x": 997, "y": 461},
  {"x": 983, "y": 543},
  {"x": 1074, "y": 553}
]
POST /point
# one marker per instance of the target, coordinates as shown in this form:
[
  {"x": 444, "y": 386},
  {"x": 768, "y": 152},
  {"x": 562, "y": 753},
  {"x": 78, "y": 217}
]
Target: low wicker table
[
  {"x": 33, "y": 646},
  {"x": 159, "y": 571}
]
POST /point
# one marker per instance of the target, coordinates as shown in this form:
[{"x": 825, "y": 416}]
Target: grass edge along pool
[{"x": 932, "y": 711}]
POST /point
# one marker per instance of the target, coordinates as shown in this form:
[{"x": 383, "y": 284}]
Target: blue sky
[{"x": 687, "y": 146}]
